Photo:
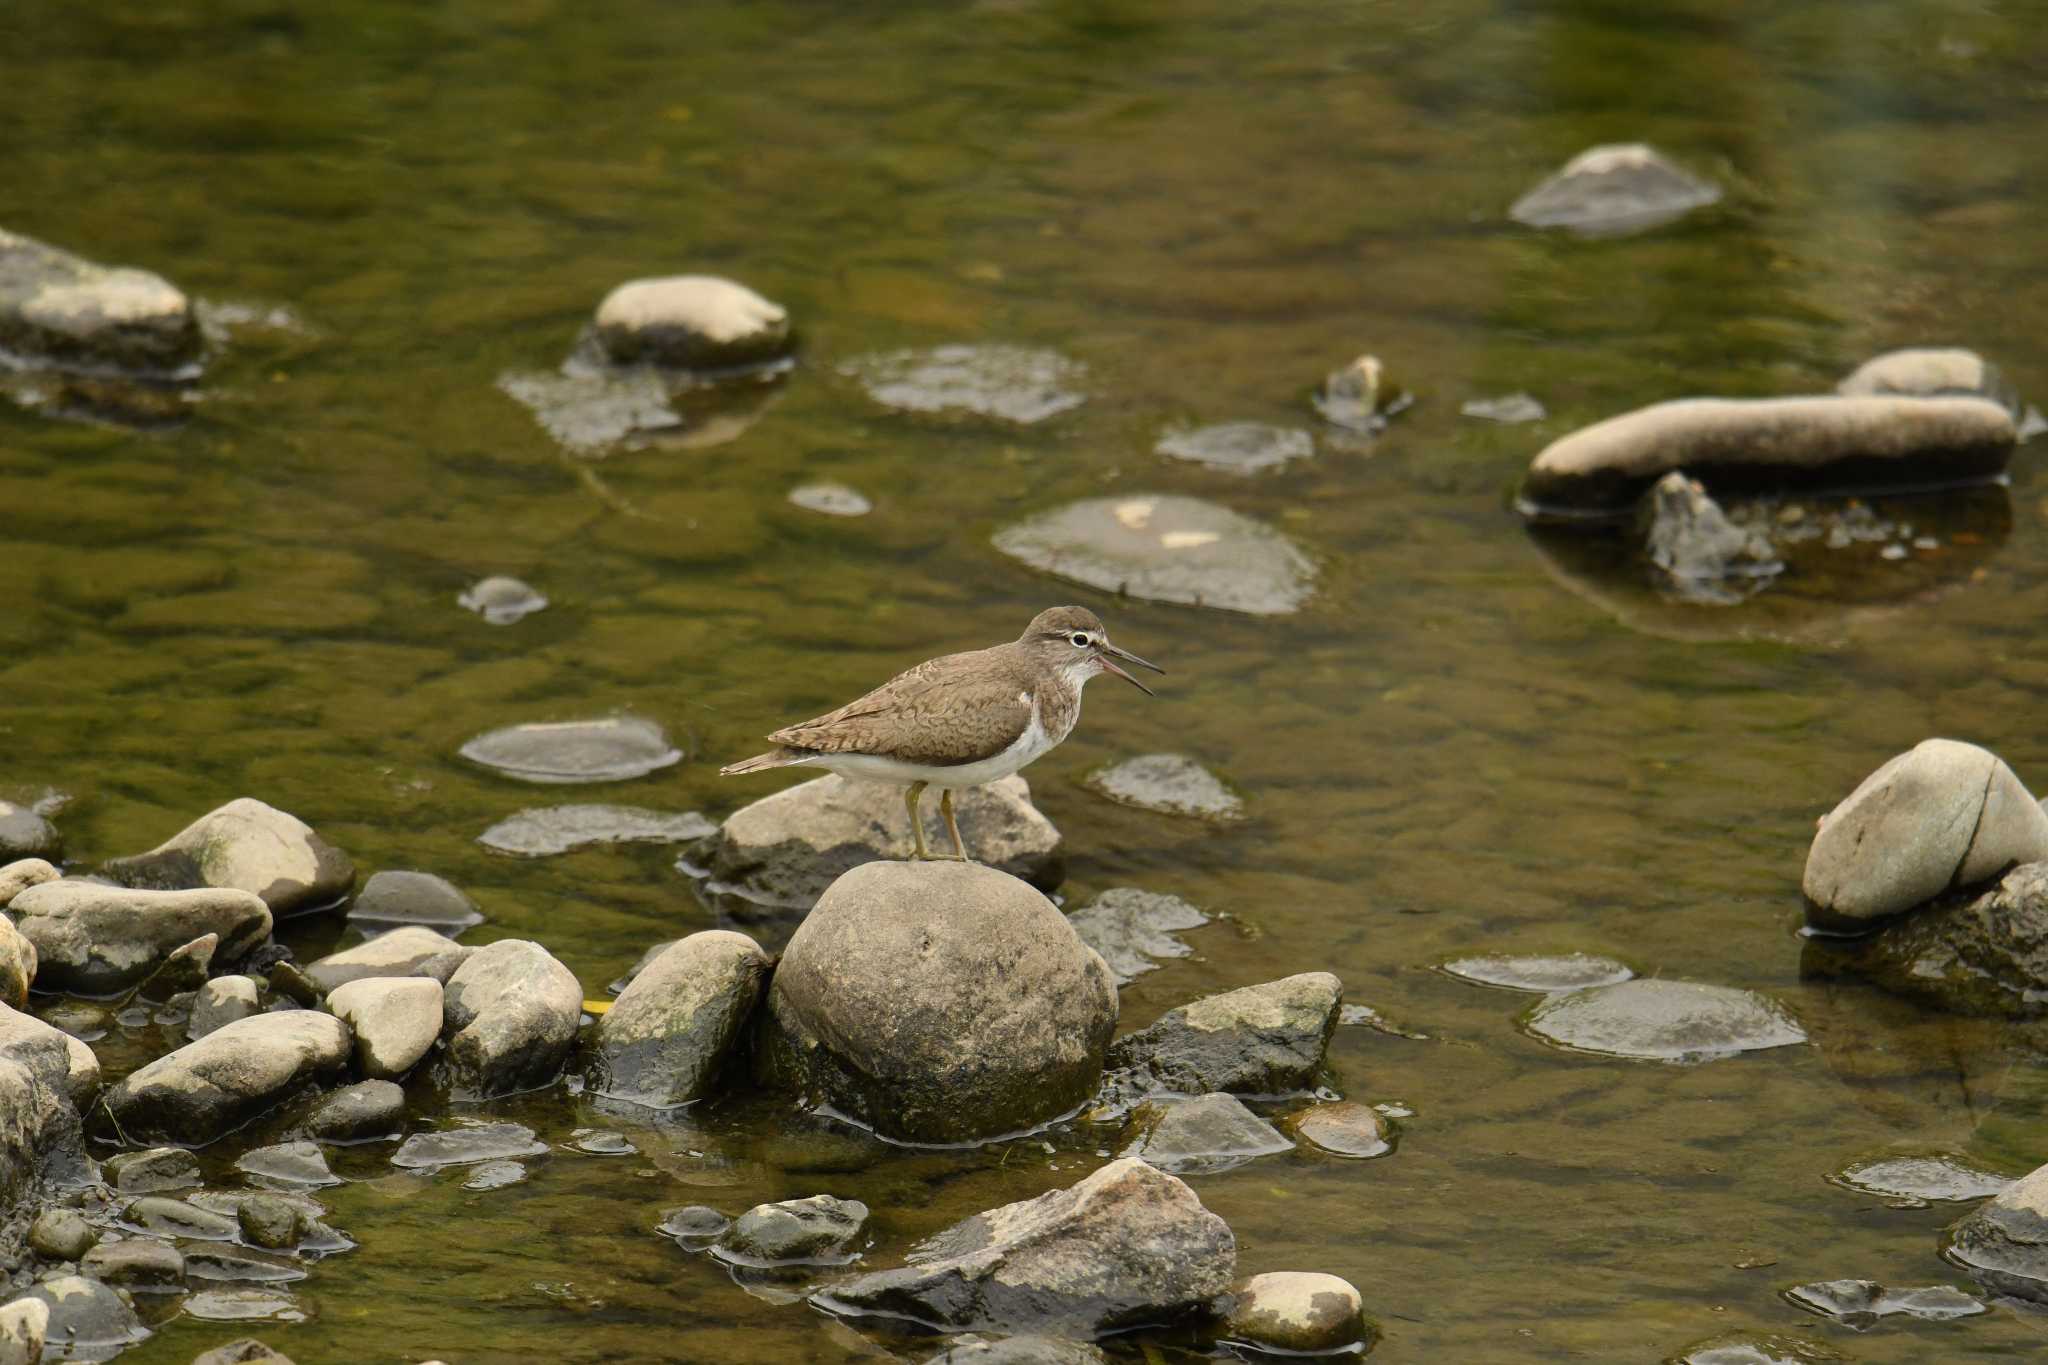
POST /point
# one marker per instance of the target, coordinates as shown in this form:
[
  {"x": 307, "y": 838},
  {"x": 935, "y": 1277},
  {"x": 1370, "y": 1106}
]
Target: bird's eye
[{"x": 1080, "y": 639}]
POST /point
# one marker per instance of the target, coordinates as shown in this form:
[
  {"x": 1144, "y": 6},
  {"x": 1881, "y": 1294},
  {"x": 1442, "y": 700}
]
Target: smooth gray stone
[
  {"x": 86, "y": 1316},
  {"x": 153, "y": 1170},
  {"x": 24, "y": 834},
  {"x": 1172, "y": 784},
  {"x": 509, "y": 1015},
  {"x": 1538, "y": 973},
  {"x": 95, "y": 939},
  {"x": 1134, "y": 929},
  {"x": 396, "y": 1021},
  {"x": 67, "y": 1065},
  {"x": 61, "y": 1234},
  {"x": 548, "y": 830},
  {"x": 215, "y": 1085},
  {"x": 2004, "y": 1241},
  {"x": 466, "y": 1145},
  {"x": 18, "y": 876},
  {"x": 1007, "y": 383},
  {"x": 501, "y": 600},
  {"x": 249, "y": 846},
  {"x": 298, "y": 1164},
  {"x": 1239, "y": 447},
  {"x": 1204, "y": 1133},
  {"x": 395, "y": 898},
  {"x": 1298, "y": 1312},
  {"x": 1665, "y": 1021},
  {"x": 221, "y": 1001},
  {"x": 161, "y": 1216},
  {"x": 1267, "y": 1039},
  {"x": 818, "y": 1230},
  {"x": 611, "y": 749},
  {"x": 411, "y": 951},
  {"x": 139, "y": 1265},
  {"x": 362, "y": 1112}
]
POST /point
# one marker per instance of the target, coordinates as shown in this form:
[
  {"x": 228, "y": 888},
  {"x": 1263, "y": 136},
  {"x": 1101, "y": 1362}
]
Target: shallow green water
[{"x": 1450, "y": 750}]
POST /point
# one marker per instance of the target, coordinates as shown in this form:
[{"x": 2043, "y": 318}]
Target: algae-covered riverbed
[{"x": 1463, "y": 742}]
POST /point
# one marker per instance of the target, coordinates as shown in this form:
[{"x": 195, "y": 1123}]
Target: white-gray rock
[
  {"x": 830, "y": 499},
  {"x": 785, "y": 849},
  {"x": 1614, "y": 189},
  {"x": 249, "y": 846},
  {"x": 680, "y": 1021},
  {"x": 1172, "y": 784},
  {"x": 397, "y": 898},
  {"x": 23, "y": 1324},
  {"x": 1928, "y": 372},
  {"x": 17, "y": 965},
  {"x": 938, "y": 1002},
  {"x": 1267, "y": 1039},
  {"x": 509, "y": 1016},
  {"x": 395, "y": 1020},
  {"x": 1296, "y": 1311},
  {"x": 410, "y": 951},
  {"x": 62, "y": 310},
  {"x": 1127, "y": 1245},
  {"x": 217, "y": 1084},
  {"x": 697, "y": 322},
  {"x": 1166, "y": 548},
  {"x": 16, "y": 877},
  {"x": 1008, "y": 383},
  {"x": 95, "y": 939},
  {"x": 817, "y": 1230},
  {"x": 1240, "y": 447},
  {"x": 221, "y": 1001},
  {"x": 501, "y": 600},
  {"x": 1133, "y": 929},
  {"x": 611, "y": 749},
  {"x": 64, "y": 1063},
  {"x": 1942, "y": 816},
  {"x": 86, "y": 1318},
  {"x": 558, "y": 829}
]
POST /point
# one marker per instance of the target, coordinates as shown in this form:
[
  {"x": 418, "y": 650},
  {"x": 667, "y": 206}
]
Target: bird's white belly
[{"x": 1030, "y": 745}]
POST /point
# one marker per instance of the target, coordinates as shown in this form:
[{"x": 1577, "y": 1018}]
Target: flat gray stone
[
  {"x": 1008, "y": 383},
  {"x": 1205, "y": 1133},
  {"x": 87, "y": 1318},
  {"x": 221, "y": 1001},
  {"x": 392, "y": 899},
  {"x": 396, "y": 1021},
  {"x": 587, "y": 411},
  {"x": 1509, "y": 409},
  {"x": 1922, "y": 1179},
  {"x": 2004, "y": 1242},
  {"x": 18, "y": 876},
  {"x": 163, "y": 1217},
  {"x": 467, "y": 1144},
  {"x": 248, "y": 846},
  {"x": 1860, "y": 1303},
  {"x": 1538, "y": 972},
  {"x": 1343, "y": 1128},
  {"x": 548, "y": 830},
  {"x": 1133, "y": 929},
  {"x": 410, "y": 951},
  {"x": 95, "y": 939},
  {"x": 25, "y": 834},
  {"x": 1172, "y": 784},
  {"x": 153, "y": 1170},
  {"x": 680, "y": 1022},
  {"x": 1166, "y": 548},
  {"x": 140, "y": 1265},
  {"x": 288, "y": 1165},
  {"x": 608, "y": 750},
  {"x": 1612, "y": 190},
  {"x": 362, "y": 1112},
  {"x": 1239, "y": 447},
  {"x": 1665, "y": 1021},
  {"x": 830, "y": 499}
]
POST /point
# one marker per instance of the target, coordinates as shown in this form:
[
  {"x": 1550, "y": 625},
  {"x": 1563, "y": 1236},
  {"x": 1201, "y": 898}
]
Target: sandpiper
[{"x": 962, "y": 719}]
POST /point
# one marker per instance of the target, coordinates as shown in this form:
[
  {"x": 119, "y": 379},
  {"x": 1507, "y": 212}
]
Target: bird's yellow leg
[
  {"x": 910, "y": 799},
  {"x": 952, "y": 825}
]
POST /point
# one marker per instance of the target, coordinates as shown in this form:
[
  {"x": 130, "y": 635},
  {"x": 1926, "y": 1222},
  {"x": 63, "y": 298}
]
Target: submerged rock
[
  {"x": 1166, "y": 548},
  {"x": 87, "y": 1320},
  {"x": 95, "y": 939},
  {"x": 831, "y": 499},
  {"x": 363, "y": 1112},
  {"x": 787, "y": 848},
  {"x": 1700, "y": 554},
  {"x": 243, "y": 1351},
  {"x": 2004, "y": 1242},
  {"x": 1664, "y": 1021},
  {"x": 1009, "y": 383},
  {"x": 1205, "y": 1133},
  {"x": 289, "y": 1165},
  {"x": 1564, "y": 972},
  {"x": 161, "y": 1217},
  {"x": 1614, "y": 189},
  {"x": 608, "y": 750},
  {"x": 1775, "y": 1349},
  {"x": 1020, "y": 1350},
  {"x": 1942, "y": 816},
  {"x": 588, "y": 410},
  {"x": 558, "y": 829},
  {"x": 217, "y": 1084},
  {"x": 1858, "y": 1304},
  {"x": 1930, "y": 372},
  {"x": 1343, "y": 1128},
  {"x": 1240, "y": 447},
  {"x": 1360, "y": 398},
  {"x": 1127, "y": 1246},
  {"x": 1921, "y": 1179},
  {"x": 694, "y": 1227},
  {"x": 691, "y": 322},
  {"x": 680, "y": 1022},
  {"x": 411, "y": 951},
  {"x": 509, "y": 1014},
  {"x": 1769, "y": 443},
  {"x": 1987, "y": 956},
  {"x": 501, "y": 600},
  {"x": 1173, "y": 784},
  {"x": 820, "y": 1230},
  {"x": 938, "y": 1002},
  {"x": 396, "y": 898},
  {"x": 1295, "y": 1311},
  {"x": 1133, "y": 929},
  {"x": 395, "y": 1019},
  {"x": 469, "y": 1143},
  {"x": 1509, "y": 409},
  {"x": 1260, "y": 1040},
  {"x": 57, "y": 309},
  {"x": 248, "y": 846},
  {"x": 25, "y": 835}
]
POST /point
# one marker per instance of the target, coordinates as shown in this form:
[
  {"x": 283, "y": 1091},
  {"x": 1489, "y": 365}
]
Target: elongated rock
[
  {"x": 215, "y": 1085},
  {"x": 96, "y": 939},
  {"x": 1736, "y": 443},
  {"x": 249, "y": 846},
  {"x": 1125, "y": 1247},
  {"x": 677, "y": 1024},
  {"x": 412, "y": 951}
]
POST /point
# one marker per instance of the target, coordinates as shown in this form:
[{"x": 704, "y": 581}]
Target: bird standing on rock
[{"x": 960, "y": 720}]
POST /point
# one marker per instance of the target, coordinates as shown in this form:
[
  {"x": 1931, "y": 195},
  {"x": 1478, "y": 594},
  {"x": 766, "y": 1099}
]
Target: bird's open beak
[{"x": 1110, "y": 666}]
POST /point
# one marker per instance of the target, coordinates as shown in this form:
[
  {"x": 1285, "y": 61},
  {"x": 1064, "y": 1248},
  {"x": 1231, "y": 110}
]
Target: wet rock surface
[
  {"x": 1612, "y": 190},
  {"x": 680, "y": 1022},
  {"x": 1204, "y": 1133},
  {"x": 694, "y": 1226},
  {"x": 1699, "y": 554},
  {"x": 1858, "y": 1304},
  {"x": 1921, "y": 1179},
  {"x": 1343, "y": 1128},
  {"x": 1666, "y": 1021},
  {"x": 1775, "y": 1349},
  {"x": 1741, "y": 443},
  {"x": 86, "y": 1318},
  {"x": 61, "y": 310},
  {"x": 410, "y": 951},
  {"x": 1295, "y": 1311},
  {"x": 501, "y": 600},
  {"x": 1509, "y": 409},
  {"x": 25, "y": 835},
  {"x": 212, "y": 1086},
  {"x": 1127, "y": 1245},
  {"x": 830, "y": 499},
  {"x": 937, "y": 1002},
  {"x": 1259, "y": 1040},
  {"x": 1563, "y": 972},
  {"x": 1172, "y": 784},
  {"x": 1360, "y": 398},
  {"x": 1019, "y": 1350},
  {"x": 608, "y": 750},
  {"x": 248, "y": 846},
  {"x": 1007, "y": 383},
  {"x": 785, "y": 849},
  {"x": 164, "y": 1217},
  {"x": 1239, "y": 447},
  {"x": 287, "y": 1165},
  {"x": 2004, "y": 1242},
  {"x": 466, "y": 1144},
  {"x": 395, "y": 1020},
  {"x": 1985, "y": 956},
  {"x": 1134, "y": 930},
  {"x": 359, "y": 1113},
  {"x": 153, "y": 1170},
  {"x": 391, "y": 899},
  {"x": 821, "y": 1230},
  {"x": 509, "y": 1015},
  {"x": 140, "y": 1265},
  {"x": 96, "y": 939},
  {"x": 548, "y": 830},
  {"x": 1942, "y": 816},
  {"x": 1167, "y": 548},
  {"x": 589, "y": 410},
  {"x": 691, "y": 322}
]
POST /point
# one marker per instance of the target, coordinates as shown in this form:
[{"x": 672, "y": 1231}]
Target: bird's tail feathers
[{"x": 759, "y": 763}]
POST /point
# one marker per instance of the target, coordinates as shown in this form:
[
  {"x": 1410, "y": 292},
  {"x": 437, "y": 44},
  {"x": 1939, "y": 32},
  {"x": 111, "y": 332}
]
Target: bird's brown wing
[{"x": 944, "y": 712}]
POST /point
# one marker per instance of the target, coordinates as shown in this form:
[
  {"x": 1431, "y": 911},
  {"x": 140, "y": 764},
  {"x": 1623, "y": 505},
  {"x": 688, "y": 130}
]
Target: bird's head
[{"x": 1074, "y": 641}]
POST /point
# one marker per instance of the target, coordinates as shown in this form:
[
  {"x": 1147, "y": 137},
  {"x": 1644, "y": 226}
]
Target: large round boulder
[{"x": 939, "y": 1002}]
